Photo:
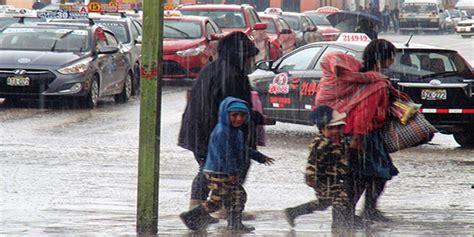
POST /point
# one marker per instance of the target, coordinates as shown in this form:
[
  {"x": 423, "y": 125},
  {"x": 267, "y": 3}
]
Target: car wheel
[
  {"x": 124, "y": 96},
  {"x": 90, "y": 101},
  {"x": 465, "y": 138},
  {"x": 11, "y": 102},
  {"x": 136, "y": 80}
]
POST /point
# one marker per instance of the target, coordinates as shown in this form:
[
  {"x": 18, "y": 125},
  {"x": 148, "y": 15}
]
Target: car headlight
[
  {"x": 78, "y": 67},
  {"x": 191, "y": 51}
]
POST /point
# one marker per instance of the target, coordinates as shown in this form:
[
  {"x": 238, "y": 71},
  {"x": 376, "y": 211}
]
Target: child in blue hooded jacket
[{"x": 225, "y": 165}]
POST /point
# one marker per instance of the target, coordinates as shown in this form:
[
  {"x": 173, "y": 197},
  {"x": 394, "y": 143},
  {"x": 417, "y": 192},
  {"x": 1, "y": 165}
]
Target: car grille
[
  {"x": 39, "y": 81},
  {"x": 464, "y": 24},
  {"x": 172, "y": 68}
]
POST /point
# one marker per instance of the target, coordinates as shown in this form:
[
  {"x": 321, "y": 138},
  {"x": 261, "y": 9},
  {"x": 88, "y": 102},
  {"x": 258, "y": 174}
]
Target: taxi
[
  {"x": 282, "y": 39},
  {"x": 128, "y": 31},
  {"x": 232, "y": 18},
  {"x": 318, "y": 16},
  {"x": 439, "y": 79},
  {"x": 189, "y": 43},
  {"x": 75, "y": 62},
  {"x": 305, "y": 29},
  {"x": 465, "y": 28}
]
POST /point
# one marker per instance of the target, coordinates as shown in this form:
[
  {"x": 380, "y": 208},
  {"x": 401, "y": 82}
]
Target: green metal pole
[{"x": 150, "y": 117}]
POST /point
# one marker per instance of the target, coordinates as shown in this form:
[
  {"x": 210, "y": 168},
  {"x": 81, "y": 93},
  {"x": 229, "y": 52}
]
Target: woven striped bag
[{"x": 416, "y": 132}]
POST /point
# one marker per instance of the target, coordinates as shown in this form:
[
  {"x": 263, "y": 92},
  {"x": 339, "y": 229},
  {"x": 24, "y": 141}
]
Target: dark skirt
[{"x": 374, "y": 161}]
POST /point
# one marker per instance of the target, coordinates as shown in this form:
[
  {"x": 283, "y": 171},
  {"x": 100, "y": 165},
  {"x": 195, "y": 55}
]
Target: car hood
[
  {"x": 170, "y": 46},
  {"x": 30, "y": 59},
  {"x": 466, "y": 22}
]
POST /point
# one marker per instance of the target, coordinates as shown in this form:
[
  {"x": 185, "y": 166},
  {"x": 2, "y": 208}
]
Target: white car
[{"x": 465, "y": 28}]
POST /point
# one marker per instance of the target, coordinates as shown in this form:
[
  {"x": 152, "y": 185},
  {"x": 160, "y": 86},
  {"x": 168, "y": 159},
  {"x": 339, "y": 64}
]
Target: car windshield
[
  {"x": 425, "y": 63},
  {"x": 44, "y": 39},
  {"x": 270, "y": 25},
  {"x": 419, "y": 8},
  {"x": 178, "y": 29},
  {"x": 6, "y": 21},
  {"x": 223, "y": 18},
  {"x": 319, "y": 19},
  {"x": 118, "y": 28},
  {"x": 293, "y": 21},
  {"x": 454, "y": 13}
]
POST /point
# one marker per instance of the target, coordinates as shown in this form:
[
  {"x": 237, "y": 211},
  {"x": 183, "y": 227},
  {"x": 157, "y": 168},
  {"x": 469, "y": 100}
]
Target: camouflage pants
[
  {"x": 223, "y": 193},
  {"x": 331, "y": 191}
]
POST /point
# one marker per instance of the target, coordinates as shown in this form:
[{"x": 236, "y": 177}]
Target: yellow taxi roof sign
[
  {"x": 353, "y": 37},
  {"x": 168, "y": 6},
  {"x": 172, "y": 13}
]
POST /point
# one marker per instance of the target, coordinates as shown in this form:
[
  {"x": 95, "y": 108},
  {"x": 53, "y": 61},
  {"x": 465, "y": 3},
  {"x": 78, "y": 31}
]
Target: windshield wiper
[
  {"x": 186, "y": 35},
  {"x": 60, "y": 38},
  {"x": 440, "y": 74}
]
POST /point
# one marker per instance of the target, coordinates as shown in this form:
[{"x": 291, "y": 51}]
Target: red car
[
  {"x": 231, "y": 18},
  {"x": 318, "y": 16},
  {"x": 282, "y": 39},
  {"x": 189, "y": 43}
]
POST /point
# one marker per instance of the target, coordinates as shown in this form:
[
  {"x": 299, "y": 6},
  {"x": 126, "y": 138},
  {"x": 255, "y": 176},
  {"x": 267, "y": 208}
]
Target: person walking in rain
[
  {"x": 327, "y": 171},
  {"x": 223, "y": 77},
  {"x": 224, "y": 167},
  {"x": 361, "y": 91}
]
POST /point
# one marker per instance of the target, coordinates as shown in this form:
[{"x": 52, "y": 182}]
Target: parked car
[
  {"x": 305, "y": 29},
  {"x": 127, "y": 30},
  {"x": 231, "y": 18},
  {"x": 453, "y": 17},
  {"x": 189, "y": 43},
  {"x": 439, "y": 79},
  {"x": 318, "y": 16},
  {"x": 465, "y": 28},
  {"x": 50, "y": 61},
  {"x": 282, "y": 39}
]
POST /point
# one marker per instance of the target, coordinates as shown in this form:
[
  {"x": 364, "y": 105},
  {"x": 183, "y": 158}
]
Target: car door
[
  {"x": 104, "y": 63},
  {"x": 137, "y": 46},
  {"x": 280, "y": 91},
  {"x": 120, "y": 62},
  {"x": 310, "y": 80},
  {"x": 288, "y": 41}
]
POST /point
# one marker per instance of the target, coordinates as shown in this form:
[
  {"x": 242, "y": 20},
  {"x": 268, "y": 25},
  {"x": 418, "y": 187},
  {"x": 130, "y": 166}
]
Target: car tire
[
  {"x": 465, "y": 138},
  {"x": 11, "y": 102},
  {"x": 92, "y": 97},
  {"x": 124, "y": 96},
  {"x": 136, "y": 80}
]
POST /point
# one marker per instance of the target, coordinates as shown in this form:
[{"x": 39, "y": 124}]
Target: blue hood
[{"x": 223, "y": 118}]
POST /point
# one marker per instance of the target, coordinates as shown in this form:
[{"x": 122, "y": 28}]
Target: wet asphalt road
[{"x": 74, "y": 172}]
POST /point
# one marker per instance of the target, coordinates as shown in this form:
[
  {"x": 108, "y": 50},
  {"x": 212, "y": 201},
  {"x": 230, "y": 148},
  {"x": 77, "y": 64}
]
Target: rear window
[
  {"x": 223, "y": 18},
  {"x": 44, "y": 39},
  {"x": 424, "y": 63},
  {"x": 182, "y": 29}
]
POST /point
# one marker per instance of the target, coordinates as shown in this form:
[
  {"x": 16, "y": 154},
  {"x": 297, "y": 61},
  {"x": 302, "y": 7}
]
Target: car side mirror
[
  {"x": 108, "y": 49},
  {"x": 265, "y": 65},
  {"x": 138, "y": 40},
  {"x": 214, "y": 36},
  {"x": 311, "y": 29},
  {"x": 286, "y": 31},
  {"x": 260, "y": 26}
]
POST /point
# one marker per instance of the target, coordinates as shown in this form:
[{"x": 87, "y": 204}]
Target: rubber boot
[
  {"x": 234, "y": 223},
  {"x": 293, "y": 212},
  {"x": 342, "y": 218},
  {"x": 196, "y": 202},
  {"x": 196, "y": 219}
]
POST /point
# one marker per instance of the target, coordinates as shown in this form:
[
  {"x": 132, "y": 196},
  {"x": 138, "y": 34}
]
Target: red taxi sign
[
  {"x": 353, "y": 37},
  {"x": 327, "y": 9},
  {"x": 273, "y": 11}
]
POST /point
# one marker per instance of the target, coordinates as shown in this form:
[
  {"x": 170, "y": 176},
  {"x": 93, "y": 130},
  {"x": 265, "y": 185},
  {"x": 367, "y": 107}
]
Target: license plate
[
  {"x": 433, "y": 94},
  {"x": 18, "y": 81}
]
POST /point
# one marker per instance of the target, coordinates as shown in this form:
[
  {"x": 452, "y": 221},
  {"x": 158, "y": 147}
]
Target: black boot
[
  {"x": 342, "y": 218},
  {"x": 234, "y": 223},
  {"x": 197, "y": 218},
  {"x": 293, "y": 212},
  {"x": 374, "y": 215}
]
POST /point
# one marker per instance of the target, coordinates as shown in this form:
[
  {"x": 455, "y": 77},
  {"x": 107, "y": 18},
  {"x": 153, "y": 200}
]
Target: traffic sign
[{"x": 94, "y": 7}]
